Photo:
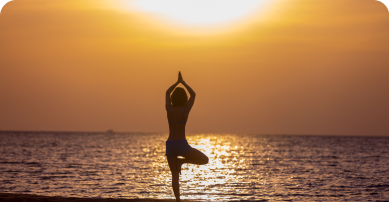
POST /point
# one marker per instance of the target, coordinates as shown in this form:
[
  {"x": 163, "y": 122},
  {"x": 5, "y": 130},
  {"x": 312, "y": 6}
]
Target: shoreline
[{"x": 12, "y": 197}]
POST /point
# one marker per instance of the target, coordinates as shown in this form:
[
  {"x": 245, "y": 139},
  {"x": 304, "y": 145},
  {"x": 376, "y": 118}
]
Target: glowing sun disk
[{"x": 199, "y": 12}]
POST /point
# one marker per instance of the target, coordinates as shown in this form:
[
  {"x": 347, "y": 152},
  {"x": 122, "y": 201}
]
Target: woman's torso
[{"x": 177, "y": 117}]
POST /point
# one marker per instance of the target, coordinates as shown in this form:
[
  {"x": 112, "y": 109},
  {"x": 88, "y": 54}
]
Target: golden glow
[
  {"x": 219, "y": 152},
  {"x": 104, "y": 64},
  {"x": 199, "y": 12},
  {"x": 196, "y": 15}
]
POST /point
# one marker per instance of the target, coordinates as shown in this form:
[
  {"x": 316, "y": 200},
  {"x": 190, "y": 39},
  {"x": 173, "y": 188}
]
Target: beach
[{"x": 6, "y": 197}]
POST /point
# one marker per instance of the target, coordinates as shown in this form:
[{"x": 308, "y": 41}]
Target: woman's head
[{"x": 179, "y": 97}]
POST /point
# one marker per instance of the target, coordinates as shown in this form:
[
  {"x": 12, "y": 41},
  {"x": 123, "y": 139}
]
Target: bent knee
[{"x": 206, "y": 160}]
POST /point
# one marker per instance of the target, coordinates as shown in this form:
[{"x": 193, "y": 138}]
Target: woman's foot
[{"x": 179, "y": 164}]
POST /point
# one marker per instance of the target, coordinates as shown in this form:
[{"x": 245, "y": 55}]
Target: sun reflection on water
[
  {"x": 241, "y": 167},
  {"x": 224, "y": 168},
  {"x": 236, "y": 168}
]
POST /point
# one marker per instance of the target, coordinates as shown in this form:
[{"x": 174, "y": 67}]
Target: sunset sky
[{"x": 266, "y": 67}]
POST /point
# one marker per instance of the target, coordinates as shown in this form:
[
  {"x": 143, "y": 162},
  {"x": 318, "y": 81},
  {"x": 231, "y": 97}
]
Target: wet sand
[{"x": 6, "y": 197}]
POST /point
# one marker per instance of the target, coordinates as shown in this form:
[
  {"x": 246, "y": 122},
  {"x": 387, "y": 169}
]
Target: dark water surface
[{"x": 242, "y": 167}]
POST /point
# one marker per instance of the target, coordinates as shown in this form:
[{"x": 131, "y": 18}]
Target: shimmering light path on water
[{"x": 242, "y": 167}]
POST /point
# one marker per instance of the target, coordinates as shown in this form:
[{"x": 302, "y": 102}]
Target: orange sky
[{"x": 308, "y": 67}]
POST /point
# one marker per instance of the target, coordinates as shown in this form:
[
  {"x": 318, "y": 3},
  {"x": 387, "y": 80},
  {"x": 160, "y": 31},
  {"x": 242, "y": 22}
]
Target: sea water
[{"x": 241, "y": 167}]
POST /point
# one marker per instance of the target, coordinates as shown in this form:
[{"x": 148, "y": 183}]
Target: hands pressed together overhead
[{"x": 180, "y": 80}]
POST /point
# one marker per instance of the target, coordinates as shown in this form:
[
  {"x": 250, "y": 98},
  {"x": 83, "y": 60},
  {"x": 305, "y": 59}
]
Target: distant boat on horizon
[{"x": 110, "y": 131}]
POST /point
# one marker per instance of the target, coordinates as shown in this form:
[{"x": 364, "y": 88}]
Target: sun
[{"x": 196, "y": 13}]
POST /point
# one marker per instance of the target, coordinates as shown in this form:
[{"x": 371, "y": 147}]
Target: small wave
[{"x": 379, "y": 186}]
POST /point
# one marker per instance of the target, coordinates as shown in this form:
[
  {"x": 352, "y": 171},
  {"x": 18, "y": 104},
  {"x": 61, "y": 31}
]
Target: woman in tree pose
[{"x": 178, "y": 108}]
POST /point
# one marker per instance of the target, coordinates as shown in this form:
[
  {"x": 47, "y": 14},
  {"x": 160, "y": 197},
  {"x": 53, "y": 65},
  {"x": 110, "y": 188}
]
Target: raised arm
[
  {"x": 190, "y": 103},
  {"x": 169, "y": 91}
]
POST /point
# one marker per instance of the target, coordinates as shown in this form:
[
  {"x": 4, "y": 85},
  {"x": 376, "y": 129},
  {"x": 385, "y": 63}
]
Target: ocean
[{"x": 241, "y": 167}]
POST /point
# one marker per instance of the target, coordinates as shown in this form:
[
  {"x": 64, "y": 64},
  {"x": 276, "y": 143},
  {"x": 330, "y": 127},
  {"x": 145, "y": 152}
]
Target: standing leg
[{"x": 172, "y": 161}]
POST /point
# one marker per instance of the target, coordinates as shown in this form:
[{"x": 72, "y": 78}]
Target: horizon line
[{"x": 189, "y": 133}]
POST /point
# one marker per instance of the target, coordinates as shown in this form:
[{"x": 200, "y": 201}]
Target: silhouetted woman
[{"x": 178, "y": 108}]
